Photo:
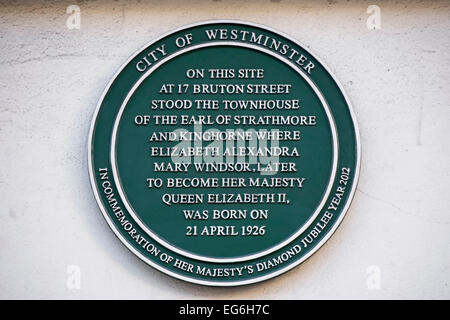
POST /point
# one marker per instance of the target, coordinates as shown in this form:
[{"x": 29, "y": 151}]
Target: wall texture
[{"x": 394, "y": 242}]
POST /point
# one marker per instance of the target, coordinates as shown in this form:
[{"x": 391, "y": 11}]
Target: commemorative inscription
[{"x": 223, "y": 153}]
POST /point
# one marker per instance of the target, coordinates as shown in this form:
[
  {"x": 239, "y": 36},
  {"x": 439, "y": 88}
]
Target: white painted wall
[{"x": 397, "y": 78}]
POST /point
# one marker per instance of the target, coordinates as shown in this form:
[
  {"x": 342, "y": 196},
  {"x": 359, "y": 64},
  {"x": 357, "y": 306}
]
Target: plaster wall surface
[{"x": 397, "y": 229}]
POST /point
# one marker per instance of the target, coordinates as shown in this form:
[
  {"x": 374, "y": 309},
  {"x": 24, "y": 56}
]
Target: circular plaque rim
[{"x": 289, "y": 266}]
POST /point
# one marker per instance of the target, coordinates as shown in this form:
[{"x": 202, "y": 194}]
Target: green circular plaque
[{"x": 223, "y": 153}]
